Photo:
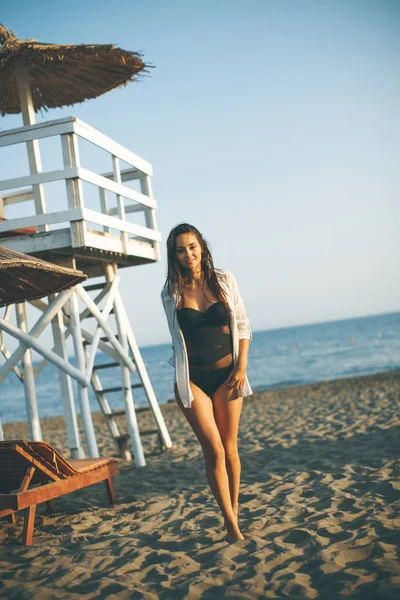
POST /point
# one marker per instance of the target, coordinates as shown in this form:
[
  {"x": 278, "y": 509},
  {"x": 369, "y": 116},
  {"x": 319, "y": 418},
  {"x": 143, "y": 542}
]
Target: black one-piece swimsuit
[{"x": 208, "y": 341}]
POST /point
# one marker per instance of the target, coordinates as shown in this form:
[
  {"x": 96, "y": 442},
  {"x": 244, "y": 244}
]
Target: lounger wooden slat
[{"x": 33, "y": 472}]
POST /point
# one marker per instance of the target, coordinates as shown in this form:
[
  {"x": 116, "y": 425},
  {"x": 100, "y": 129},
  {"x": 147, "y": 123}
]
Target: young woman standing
[{"x": 211, "y": 336}]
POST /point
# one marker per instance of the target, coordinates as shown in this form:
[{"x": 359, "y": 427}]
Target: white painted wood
[
  {"x": 45, "y": 129},
  {"x": 87, "y": 335},
  {"x": 120, "y": 203},
  {"x": 28, "y": 115},
  {"x": 126, "y": 174},
  {"x": 136, "y": 247},
  {"x": 99, "y": 139},
  {"x": 74, "y": 188},
  {"x": 3, "y": 349},
  {"x": 97, "y": 299},
  {"x": 95, "y": 217},
  {"x": 30, "y": 341},
  {"x": 82, "y": 390},
  {"x": 43, "y": 242},
  {"x": 70, "y": 151},
  {"x": 81, "y": 214},
  {"x": 32, "y": 413},
  {"x": 67, "y": 394},
  {"x": 73, "y": 125},
  {"x": 61, "y": 238},
  {"x": 128, "y": 209},
  {"x": 104, "y": 206},
  {"x": 49, "y": 218},
  {"x": 34, "y": 179},
  {"x": 133, "y": 427},
  {"x": 86, "y": 299},
  {"x": 51, "y": 310},
  {"x": 7, "y": 355},
  {"x": 80, "y": 173},
  {"x": 150, "y": 214},
  {"x": 6, "y": 316},
  {"x": 56, "y": 240},
  {"x": 16, "y": 197},
  {"x": 102, "y": 400},
  {"x": 40, "y": 366},
  {"x": 104, "y": 313},
  {"x": 116, "y": 188},
  {"x": 119, "y": 307}
]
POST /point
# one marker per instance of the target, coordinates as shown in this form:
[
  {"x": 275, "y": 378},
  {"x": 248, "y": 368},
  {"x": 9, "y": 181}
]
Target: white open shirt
[{"x": 240, "y": 329}]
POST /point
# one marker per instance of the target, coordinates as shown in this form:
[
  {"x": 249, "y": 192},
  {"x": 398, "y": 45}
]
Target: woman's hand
[{"x": 237, "y": 376}]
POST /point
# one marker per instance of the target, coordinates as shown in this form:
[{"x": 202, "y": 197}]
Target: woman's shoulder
[
  {"x": 224, "y": 275},
  {"x": 165, "y": 292}
]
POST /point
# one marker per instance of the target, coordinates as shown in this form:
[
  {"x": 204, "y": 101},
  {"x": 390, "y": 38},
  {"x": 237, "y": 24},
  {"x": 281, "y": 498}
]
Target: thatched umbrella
[
  {"x": 24, "y": 277},
  {"x": 60, "y": 75}
]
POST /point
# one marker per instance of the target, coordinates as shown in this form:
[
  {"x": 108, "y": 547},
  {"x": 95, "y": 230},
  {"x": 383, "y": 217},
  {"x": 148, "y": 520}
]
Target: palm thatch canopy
[
  {"x": 61, "y": 75},
  {"x": 24, "y": 277}
]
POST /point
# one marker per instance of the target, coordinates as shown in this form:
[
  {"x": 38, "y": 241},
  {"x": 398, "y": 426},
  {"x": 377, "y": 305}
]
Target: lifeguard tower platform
[{"x": 98, "y": 222}]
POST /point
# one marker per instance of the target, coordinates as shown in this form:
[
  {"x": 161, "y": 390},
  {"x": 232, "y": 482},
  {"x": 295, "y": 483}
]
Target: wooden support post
[
  {"x": 82, "y": 390},
  {"x": 70, "y": 152},
  {"x": 104, "y": 325},
  {"x": 120, "y": 203},
  {"x": 35, "y": 163},
  {"x": 104, "y": 313},
  {"x": 49, "y": 311},
  {"x": 102, "y": 400},
  {"x": 29, "y": 523},
  {"x": 150, "y": 213},
  {"x": 87, "y": 336},
  {"x": 27, "y": 479},
  {"x": 30, "y": 341},
  {"x": 110, "y": 490},
  {"x": 35, "y": 431},
  {"x": 142, "y": 372},
  {"x": 133, "y": 427},
  {"x": 3, "y": 349},
  {"x": 104, "y": 206},
  {"x": 67, "y": 394}
]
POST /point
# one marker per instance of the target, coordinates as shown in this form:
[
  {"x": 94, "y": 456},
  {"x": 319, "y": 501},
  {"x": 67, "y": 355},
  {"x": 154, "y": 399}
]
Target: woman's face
[{"x": 188, "y": 251}]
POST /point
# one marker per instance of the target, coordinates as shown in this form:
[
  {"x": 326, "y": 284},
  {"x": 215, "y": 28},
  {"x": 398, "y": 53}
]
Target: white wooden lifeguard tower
[
  {"x": 98, "y": 242},
  {"x": 100, "y": 223}
]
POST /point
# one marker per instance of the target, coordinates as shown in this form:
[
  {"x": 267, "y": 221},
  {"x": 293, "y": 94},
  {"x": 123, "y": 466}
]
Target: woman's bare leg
[
  {"x": 201, "y": 419},
  {"x": 227, "y": 410}
]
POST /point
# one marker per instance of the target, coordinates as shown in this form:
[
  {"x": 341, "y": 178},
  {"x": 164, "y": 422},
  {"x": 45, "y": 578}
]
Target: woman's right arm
[{"x": 168, "y": 309}]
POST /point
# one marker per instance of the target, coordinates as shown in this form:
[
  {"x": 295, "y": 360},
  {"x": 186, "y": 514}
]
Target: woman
[{"x": 211, "y": 336}]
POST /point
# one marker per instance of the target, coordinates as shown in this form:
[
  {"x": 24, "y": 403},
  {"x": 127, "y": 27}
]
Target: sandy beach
[{"x": 319, "y": 508}]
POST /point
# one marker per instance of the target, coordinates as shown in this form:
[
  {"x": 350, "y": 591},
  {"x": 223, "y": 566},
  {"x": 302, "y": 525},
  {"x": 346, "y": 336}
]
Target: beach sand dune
[{"x": 319, "y": 509}]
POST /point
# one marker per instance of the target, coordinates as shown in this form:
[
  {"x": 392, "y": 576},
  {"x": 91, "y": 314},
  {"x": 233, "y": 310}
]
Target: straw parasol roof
[
  {"x": 61, "y": 75},
  {"x": 24, "y": 277}
]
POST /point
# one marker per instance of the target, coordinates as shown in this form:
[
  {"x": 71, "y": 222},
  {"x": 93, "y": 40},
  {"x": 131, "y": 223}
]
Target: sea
[{"x": 277, "y": 358}]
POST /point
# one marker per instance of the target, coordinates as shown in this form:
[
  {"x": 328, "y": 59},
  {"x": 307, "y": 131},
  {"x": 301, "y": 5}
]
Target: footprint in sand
[{"x": 298, "y": 537}]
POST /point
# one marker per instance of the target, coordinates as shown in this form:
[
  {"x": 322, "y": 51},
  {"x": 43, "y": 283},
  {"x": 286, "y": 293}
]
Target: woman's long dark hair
[{"x": 175, "y": 277}]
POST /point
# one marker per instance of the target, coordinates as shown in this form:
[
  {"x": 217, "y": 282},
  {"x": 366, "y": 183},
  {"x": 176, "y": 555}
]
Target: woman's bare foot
[
  {"x": 235, "y": 512},
  {"x": 234, "y": 534}
]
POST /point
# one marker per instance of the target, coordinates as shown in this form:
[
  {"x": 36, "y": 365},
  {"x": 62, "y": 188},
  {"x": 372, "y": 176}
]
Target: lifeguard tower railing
[
  {"x": 121, "y": 227},
  {"x": 96, "y": 222}
]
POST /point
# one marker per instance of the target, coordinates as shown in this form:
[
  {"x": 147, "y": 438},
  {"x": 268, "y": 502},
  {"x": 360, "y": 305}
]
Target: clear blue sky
[{"x": 273, "y": 126}]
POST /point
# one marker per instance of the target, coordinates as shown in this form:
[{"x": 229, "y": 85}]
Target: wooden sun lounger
[{"x": 33, "y": 472}]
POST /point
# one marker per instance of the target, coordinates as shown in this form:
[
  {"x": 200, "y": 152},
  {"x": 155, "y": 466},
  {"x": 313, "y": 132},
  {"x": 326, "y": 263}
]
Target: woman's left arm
[{"x": 237, "y": 377}]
